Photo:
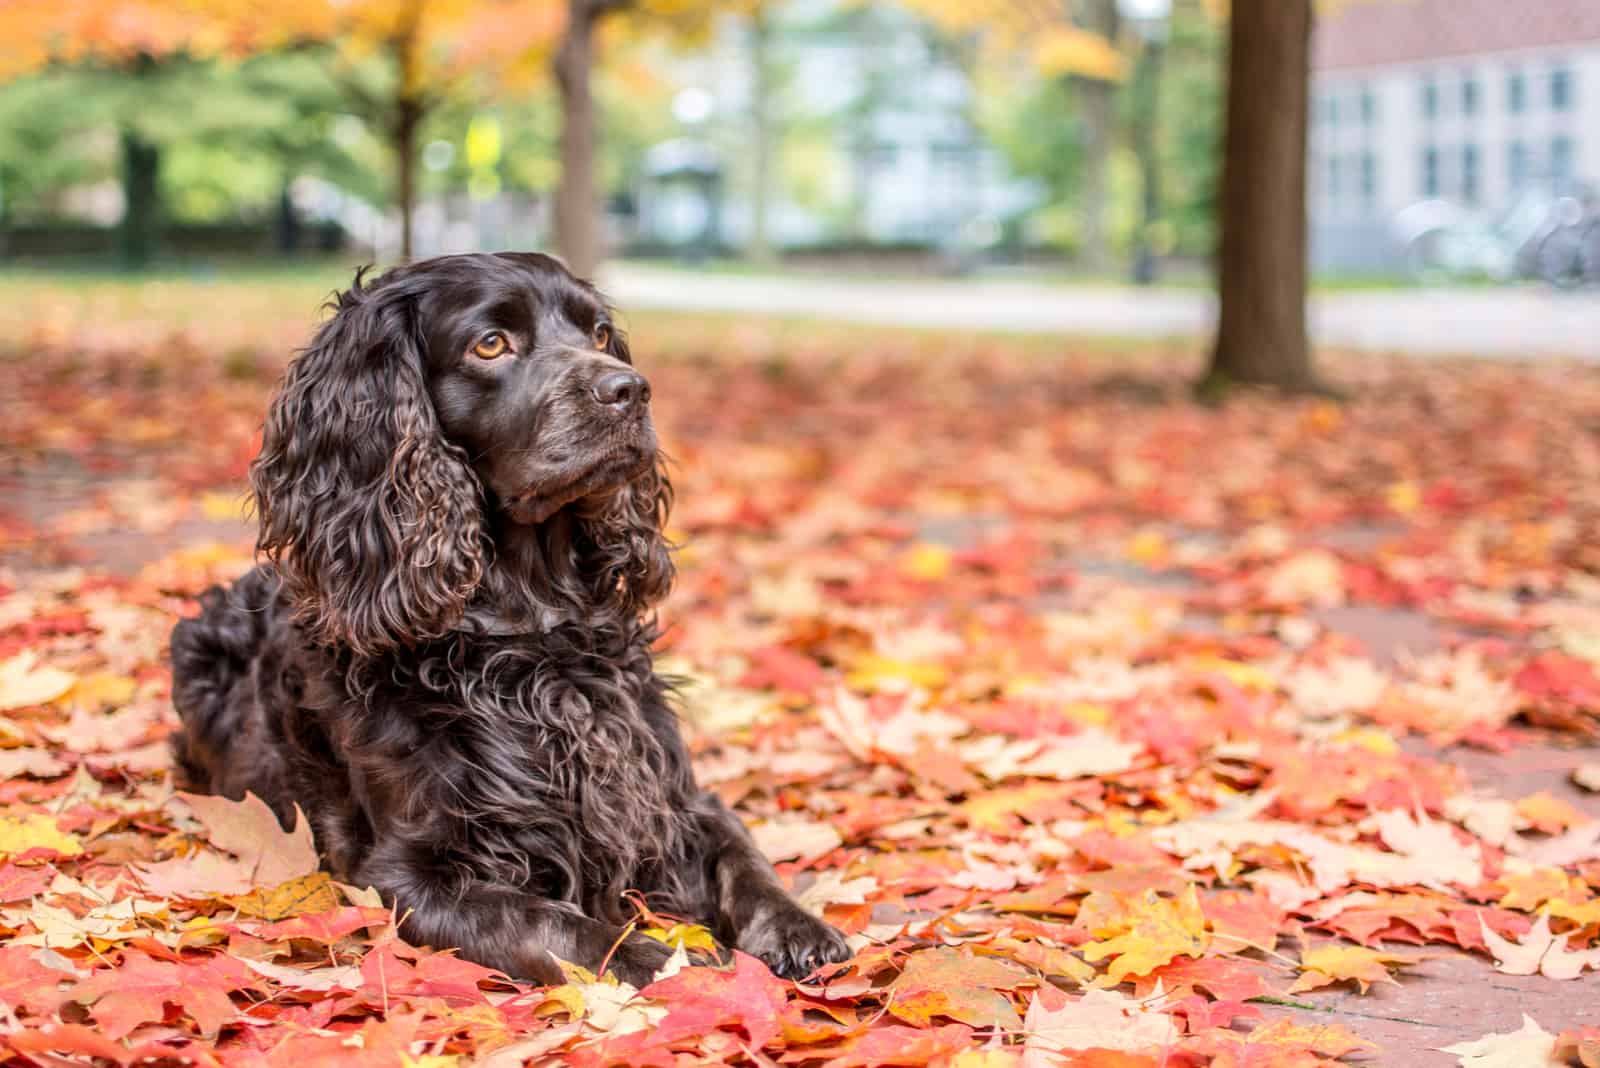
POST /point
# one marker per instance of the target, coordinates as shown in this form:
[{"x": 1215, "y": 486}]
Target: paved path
[{"x": 1469, "y": 322}]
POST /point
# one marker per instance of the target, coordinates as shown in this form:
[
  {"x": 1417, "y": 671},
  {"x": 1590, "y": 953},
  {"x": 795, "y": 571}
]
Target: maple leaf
[
  {"x": 1100, "y": 1019},
  {"x": 314, "y": 893},
  {"x": 25, "y": 682},
  {"x": 35, "y": 831},
  {"x": 897, "y": 1044},
  {"x": 1150, "y": 933},
  {"x": 263, "y": 853},
  {"x": 1530, "y": 1046},
  {"x": 1539, "y": 952},
  {"x": 90, "y": 1042},
  {"x": 326, "y": 928},
  {"x": 19, "y": 883},
  {"x": 747, "y": 998},
  {"x": 1334, "y": 963},
  {"x": 795, "y": 839},
  {"x": 952, "y": 983},
  {"x": 140, "y": 987},
  {"x": 1581, "y": 1045}
]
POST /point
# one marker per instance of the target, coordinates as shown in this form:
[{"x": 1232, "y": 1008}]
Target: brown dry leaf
[{"x": 262, "y": 854}]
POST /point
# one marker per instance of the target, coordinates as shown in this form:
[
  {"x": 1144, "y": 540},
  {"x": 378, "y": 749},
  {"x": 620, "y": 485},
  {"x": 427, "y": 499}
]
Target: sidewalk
[{"x": 1466, "y": 322}]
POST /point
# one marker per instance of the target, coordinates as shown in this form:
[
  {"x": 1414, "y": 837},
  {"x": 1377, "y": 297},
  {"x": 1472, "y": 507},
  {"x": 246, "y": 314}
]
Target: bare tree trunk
[
  {"x": 577, "y": 222},
  {"x": 760, "y": 246},
  {"x": 409, "y": 109},
  {"x": 141, "y": 190},
  {"x": 408, "y": 116},
  {"x": 1098, "y": 108},
  {"x": 1261, "y": 266}
]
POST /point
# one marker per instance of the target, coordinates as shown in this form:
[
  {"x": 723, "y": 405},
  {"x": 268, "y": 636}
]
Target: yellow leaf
[
  {"x": 307, "y": 894},
  {"x": 564, "y": 1000},
  {"x": 1150, "y": 933},
  {"x": 1335, "y": 963},
  {"x": 222, "y": 507},
  {"x": 18, "y": 834},
  {"x": 1148, "y": 547},
  {"x": 873, "y": 672},
  {"x": 1244, "y": 676},
  {"x": 100, "y": 690},
  {"x": 927, "y": 562},
  {"x": 25, "y": 682},
  {"x": 1404, "y": 497},
  {"x": 1067, "y": 49},
  {"x": 687, "y": 935},
  {"x": 430, "y": 1060}
]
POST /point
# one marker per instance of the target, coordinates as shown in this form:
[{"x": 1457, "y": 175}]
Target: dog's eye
[
  {"x": 491, "y": 346},
  {"x": 602, "y": 336}
]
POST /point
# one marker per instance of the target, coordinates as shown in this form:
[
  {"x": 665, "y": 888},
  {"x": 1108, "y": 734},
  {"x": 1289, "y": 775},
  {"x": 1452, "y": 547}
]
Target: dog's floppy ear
[{"x": 374, "y": 520}]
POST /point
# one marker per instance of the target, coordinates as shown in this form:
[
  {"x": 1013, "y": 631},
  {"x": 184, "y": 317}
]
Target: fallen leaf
[
  {"x": 33, "y": 830},
  {"x": 25, "y": 682},
  {"x": 1325, "y": 964},
  {"x": 1530, "y": 1046},
  {"x": 1100, "y": 1019},
  {"x": 952, "y": 983}
]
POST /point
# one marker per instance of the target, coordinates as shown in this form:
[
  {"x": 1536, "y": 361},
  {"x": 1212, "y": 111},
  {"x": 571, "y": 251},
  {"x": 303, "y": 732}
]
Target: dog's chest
[{"x": 567, "y": 770}]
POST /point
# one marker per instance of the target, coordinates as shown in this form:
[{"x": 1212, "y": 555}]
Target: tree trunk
[
  {"x": 410, "y": 107},
  {"x": 577, "y": 221},
  {"x": 1261, "y": 266},
  {"x": 407, "y": 117},
  {"x": 760, "y": 249},
  {"x": 1098, "y": 107},
  {"x": 1147, "y": 85},
  {"x": 141, "y": 193},
  {"x": 286, "y": 226}
]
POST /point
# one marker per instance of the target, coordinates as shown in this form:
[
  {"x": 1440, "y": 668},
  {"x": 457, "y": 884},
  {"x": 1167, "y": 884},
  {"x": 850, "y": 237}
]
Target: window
[
  {"x": 1469, "y": 174},
  {"x": 1516, "y": 92},
  {"x": 1369, "y": 106},
  {"x": 1369, "y": 179},
  {"x": 1561, "y": 158},
  {"x": 1430, "y": 172},
  {"x": 1561, "y": 89},
  {"x": 1517, "y": 165},
  {"x": 1333, "y": 110},
  {"x": 1430, "y": 99},
  {"x": 1469, "y": 95},
  {"x": 1334, "y": 191}
]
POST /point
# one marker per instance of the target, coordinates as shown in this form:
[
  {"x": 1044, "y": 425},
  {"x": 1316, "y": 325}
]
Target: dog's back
[{"x": 217, "y": 749}]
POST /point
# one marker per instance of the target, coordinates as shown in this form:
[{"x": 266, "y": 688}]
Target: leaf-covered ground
[{"x": 1115, "y": 731}]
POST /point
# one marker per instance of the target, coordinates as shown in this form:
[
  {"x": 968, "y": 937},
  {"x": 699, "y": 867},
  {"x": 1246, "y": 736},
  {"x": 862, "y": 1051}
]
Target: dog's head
[{"x": 447, "y": 404}]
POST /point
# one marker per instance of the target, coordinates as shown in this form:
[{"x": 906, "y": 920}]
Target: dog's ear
[{"x": 374, "y": 520}]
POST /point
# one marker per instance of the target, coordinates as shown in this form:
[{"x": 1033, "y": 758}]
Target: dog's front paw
[
  {"x": 637, "y": 959},
  {"x": 792, "y": 942}
]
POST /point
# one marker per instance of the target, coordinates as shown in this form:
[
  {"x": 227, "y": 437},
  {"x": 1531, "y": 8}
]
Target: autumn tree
[
  {"x": 1261, "y": 258},
  {"x": 1077, "y": 42},
  {"x": 144, "y": 46}
]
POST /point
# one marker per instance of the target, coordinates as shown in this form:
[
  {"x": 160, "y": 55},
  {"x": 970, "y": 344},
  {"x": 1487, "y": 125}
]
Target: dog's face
[
  {"x": 531, "y": 377},
  {"x": 446, "y": 406}
]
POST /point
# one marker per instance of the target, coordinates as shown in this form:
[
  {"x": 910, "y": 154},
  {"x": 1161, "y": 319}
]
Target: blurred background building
[{"x": 1483, "y": 104}]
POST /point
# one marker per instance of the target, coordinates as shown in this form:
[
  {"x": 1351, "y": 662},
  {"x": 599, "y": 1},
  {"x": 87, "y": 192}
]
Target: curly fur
[{"x": 444, "y": 657}]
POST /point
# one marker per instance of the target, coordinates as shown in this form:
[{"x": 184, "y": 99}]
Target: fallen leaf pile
[{"x": 1109, "y": 727}]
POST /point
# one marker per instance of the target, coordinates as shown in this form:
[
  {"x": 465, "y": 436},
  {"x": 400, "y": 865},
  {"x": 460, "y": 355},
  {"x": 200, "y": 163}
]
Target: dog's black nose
[{"x": 622, "y": 390}]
